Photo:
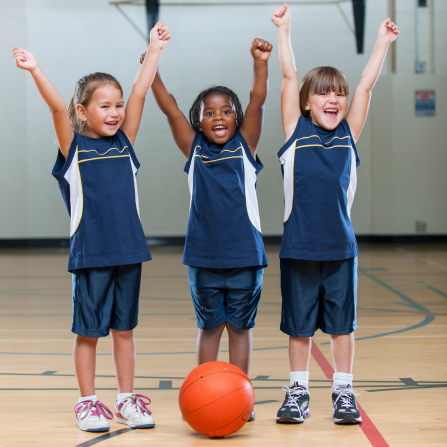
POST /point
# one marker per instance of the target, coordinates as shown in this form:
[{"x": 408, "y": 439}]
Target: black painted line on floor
[
  {"x": 256, "y": 379},
  {"x": 381, "y": 388},
  {"x": 105, "y": 437},
  {"x": 266, "y": 402}
]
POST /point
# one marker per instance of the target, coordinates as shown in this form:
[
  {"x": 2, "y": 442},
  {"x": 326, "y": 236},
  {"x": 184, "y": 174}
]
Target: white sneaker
[
  {"x": 133, "y": 412},
  {"x": 92, "y": 415}
]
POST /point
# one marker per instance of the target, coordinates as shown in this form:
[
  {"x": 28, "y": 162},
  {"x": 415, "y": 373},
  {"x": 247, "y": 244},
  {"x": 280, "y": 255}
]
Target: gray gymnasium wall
[{"x": 402, "y": 175}]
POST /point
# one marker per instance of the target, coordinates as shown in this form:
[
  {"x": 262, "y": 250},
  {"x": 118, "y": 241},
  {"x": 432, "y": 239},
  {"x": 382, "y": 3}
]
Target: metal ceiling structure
[{"x": 153, "y": 6}]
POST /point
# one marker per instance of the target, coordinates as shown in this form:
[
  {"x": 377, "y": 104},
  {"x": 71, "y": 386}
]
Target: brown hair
[
  {"x": 321, "y": 80},
  {"x": 83, "y": 93}
]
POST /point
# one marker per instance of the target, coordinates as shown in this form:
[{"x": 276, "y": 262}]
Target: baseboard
[{"x": 180, "y": 240}]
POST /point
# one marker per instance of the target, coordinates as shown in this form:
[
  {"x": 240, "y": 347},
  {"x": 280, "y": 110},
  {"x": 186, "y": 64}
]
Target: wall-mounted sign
[{"x": 425, "y": 102}]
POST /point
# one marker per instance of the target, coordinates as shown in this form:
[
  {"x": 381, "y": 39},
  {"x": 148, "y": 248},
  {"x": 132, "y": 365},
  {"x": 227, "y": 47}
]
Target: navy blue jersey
[
  {"x": 224, "y": 228},
  {"x": 98, "y": 184},
  {"x": 319, "y": 174}
]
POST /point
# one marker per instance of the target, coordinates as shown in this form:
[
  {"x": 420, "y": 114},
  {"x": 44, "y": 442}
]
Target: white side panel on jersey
[
  {"x": 250, "y": 193},
  {"x": 134, "y": 172},
  {"x": 191, "y": 177},
  {"x": 73, "y": 177},
  {"x": 288, "y": 163},
  {"x": 352, "y": 183}
]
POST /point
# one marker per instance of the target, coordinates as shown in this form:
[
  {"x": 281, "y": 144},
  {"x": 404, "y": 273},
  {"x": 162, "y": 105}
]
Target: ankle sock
[
  {"x": 93, "y": 397},
  {"x": 342, "y": 379},
  {"x": 302, "y": 377},
  {"x": 122, "y": 396}
]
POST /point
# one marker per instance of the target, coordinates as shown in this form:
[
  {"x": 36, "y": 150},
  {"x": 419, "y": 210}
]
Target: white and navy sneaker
[
  {"x": 345, "y": 406},
  {"x": 92, "y": 415},
  {"x": 295, "y": 407},
  {"x": 252, "y": 416},
  {"x": 133, "y": 412}
]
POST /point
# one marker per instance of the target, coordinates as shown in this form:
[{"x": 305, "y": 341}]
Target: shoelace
[
  {"x": 293, "y": 394},
  {"x": 83, "y": 409},
  {"x": 137, "y": 400},
  {"x": 345, "y": 395}
]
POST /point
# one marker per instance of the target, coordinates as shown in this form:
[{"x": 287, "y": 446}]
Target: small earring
[{"x": 83, "y": 123}]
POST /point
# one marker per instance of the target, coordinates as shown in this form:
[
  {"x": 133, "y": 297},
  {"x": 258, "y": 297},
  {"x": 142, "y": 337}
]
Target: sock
[
  {"x": 122, "y": 396},
  {"x": 342, "y": 380},
  {"x": 88, "y": 398},
  {"x": 302, "y": 377}
]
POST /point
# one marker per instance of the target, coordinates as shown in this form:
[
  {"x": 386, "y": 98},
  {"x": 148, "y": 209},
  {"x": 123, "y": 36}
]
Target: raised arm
[
  {"x": 290, "y": 92},
  {"x": 358, "y": 111},
  {"x": 181, "y": 130},
  {"x": 64, "y": 132},
  {"x": 251, "y": 127},
  {"x": 159, "y": 37}
]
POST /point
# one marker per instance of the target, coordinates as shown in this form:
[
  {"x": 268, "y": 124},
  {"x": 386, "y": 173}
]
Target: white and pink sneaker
[
  {"x": 133, "y": 412},
  {"x": 92, "y": 415}
]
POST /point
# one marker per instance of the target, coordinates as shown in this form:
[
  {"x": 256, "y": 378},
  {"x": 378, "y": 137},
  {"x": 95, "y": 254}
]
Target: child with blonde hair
[{"x": 96, "y": 169}]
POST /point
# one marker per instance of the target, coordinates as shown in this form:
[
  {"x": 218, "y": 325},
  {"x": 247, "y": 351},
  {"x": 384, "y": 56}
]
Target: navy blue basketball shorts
[
  {"x": 318, "y": 295},
  {"x": 221, "y": 295},
  {"x": 105, "y": 298}
]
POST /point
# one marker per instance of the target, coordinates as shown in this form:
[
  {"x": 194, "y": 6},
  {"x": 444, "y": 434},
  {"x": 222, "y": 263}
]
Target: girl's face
[
  {"x": 218, "y": 119},
  {"x": 327, "y": 109},
  {"x": 105, "y": 113}
]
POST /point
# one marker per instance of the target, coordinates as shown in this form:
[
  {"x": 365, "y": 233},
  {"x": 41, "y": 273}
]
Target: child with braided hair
[{"x": 224, "y": 249}]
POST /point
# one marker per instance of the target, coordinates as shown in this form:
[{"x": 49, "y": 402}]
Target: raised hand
[
  {"x": 388, "y": 31},
  {"x": 261, "y": 50},
  {"x": 160, "y": 35},
  {"x": 24, "y": 59},
  {"x": 281, "y": 15}
]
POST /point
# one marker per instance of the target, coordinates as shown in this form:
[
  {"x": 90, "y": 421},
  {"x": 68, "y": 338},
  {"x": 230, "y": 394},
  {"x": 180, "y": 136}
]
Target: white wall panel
[{"x": 403, "y": 158}]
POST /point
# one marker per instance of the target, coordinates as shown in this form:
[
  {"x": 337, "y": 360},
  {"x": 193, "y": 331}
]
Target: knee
[
  {"x": 212, "y": 332},
  {"x": 121, "y": 335},
  {"x": 80, "y": 339},
  {"x": 236, "y": 331}
]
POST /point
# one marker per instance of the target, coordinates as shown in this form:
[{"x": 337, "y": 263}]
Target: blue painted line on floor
[
  {"x": 439, "y": 292},
  {"x": 426, "y": 320},
  {"x": 408, "y": 300}
]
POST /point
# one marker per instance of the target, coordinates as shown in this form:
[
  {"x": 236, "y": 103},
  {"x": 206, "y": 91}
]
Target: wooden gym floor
[{"x": 400, "y": 364}]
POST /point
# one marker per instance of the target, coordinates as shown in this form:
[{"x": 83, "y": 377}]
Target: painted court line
[
  {"x": 428, "y": 261},
  {"x": 368, "y": 427},
  {"x": 104, "y": 437}
]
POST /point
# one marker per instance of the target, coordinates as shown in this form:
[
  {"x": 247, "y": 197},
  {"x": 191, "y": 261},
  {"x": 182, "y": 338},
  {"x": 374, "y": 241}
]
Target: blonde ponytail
[{"x": 83, "y": 93}]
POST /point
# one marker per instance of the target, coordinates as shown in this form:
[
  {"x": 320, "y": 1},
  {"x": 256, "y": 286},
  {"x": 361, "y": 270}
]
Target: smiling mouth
[
  {"x": 112, "y": 123},
  {"x": 220, "y": 131},
  {"x": 331, "y": 113}
]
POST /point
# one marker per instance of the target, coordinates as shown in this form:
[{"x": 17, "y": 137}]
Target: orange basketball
[{"x": 216, "y": 399}]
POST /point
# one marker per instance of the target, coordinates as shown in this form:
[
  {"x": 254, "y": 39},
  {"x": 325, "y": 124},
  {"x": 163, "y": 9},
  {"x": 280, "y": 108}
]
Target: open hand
[
  {"x": 388, "y": 31},
  {"x": 260, "y": 50},
  {"x": 281, "y": 15},
  {"x": 160, "y": 35},
  {"x": 24, "y": 59}
]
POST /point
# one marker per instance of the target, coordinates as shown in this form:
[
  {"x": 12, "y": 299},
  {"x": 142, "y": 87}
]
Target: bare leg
[
  {"x": 208, "y": 344},
  {"x": 299, "y": 353},
  {"x": 343, "y": 347},
  {"x": 124, "y": 359},
  {"x": 84, "y": 360},
  {"x": 240, "y": 342}
]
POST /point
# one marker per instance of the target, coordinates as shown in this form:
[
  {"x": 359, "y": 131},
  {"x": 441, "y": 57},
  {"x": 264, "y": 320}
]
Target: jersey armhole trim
[{"x": 82, "y": 194}]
